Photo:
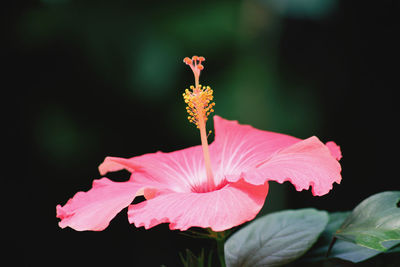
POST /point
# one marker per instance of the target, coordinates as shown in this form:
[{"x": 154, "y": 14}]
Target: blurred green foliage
[
  {"x": 312, "y": 9},
  {"x": 138, "y": 50}
]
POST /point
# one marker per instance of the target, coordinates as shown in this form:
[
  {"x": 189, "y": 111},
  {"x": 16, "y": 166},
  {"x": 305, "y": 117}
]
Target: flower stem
[
  {"x": 220, "y": 249},
  {"x": 220, "y": 238}
]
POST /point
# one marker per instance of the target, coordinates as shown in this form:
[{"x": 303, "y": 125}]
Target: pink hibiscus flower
[{"x": 215, "y": 186}]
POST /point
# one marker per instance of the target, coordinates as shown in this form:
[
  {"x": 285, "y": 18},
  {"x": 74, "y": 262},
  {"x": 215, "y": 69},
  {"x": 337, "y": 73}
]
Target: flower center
[{"x": 198, "y": 99}]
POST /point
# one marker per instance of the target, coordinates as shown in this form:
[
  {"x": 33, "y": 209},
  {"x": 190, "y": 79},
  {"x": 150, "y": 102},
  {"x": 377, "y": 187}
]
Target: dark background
[{"x": 88, "y": 79}]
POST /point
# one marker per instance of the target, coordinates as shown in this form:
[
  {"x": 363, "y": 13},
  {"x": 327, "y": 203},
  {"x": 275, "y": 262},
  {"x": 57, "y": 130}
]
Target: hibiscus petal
[
  {"x": 179, "y": 171},
  {"x": 94, "y": 209},
  {"x": 113, "y": 164},
  {"x": 335, "y": 150},
  {"x": 219, "y": 210},
  {"x": 305, "y": 163},
  {"x": 242, "y": 147}
]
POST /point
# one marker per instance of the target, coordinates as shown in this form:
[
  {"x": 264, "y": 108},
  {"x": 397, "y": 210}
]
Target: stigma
[{"x": 196, "y": 66}]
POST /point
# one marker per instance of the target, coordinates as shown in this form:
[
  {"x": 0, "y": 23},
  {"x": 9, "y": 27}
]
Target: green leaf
[
  {"x": 394, "y": 249},
  {"x": 373, "y": 221},
  {"x": 275, "y": 239},
  {"x": 341, "y": 249}
]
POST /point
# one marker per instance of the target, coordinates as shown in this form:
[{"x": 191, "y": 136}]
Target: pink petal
[
  {"x": 222, "y": 209},
  {"x": 179, "y": 171},
  {"x": 113, "y": 164},
  {"x": 335, "y": 150},
  {"x": 305, "y": 163},
  {"x": 93, "y": 210},
  {"x": 242, "y": 147}
]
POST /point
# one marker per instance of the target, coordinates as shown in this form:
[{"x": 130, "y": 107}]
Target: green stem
[
  {"x": 220, "y": 238},
  {"x": 220, "y": 249}
]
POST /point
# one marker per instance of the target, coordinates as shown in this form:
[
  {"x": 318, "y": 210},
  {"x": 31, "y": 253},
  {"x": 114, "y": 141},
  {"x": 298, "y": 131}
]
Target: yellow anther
[{"x": 199, "y": 102}]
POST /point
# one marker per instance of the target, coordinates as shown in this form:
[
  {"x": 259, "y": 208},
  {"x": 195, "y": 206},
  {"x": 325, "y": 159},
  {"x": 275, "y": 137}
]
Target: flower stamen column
[{"x": 199, "y": 107}]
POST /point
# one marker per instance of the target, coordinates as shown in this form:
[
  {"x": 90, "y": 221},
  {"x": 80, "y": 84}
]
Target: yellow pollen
[{"x": 199, "y": 103}]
